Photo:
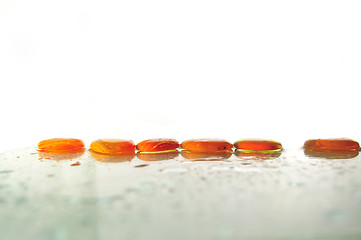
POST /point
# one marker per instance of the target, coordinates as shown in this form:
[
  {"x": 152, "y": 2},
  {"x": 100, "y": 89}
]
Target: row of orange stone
[{"x": 118, "y": 146}]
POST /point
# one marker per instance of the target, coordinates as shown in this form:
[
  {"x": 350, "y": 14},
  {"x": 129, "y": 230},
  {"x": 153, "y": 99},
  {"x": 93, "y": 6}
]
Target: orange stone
[
  {"x": 112, "y": 146},
  {"x": 341, "y": 144},
  {"x": 332, "y": 154},
  {"x": 257, "y": 145},
  {"x": 60, "y": 145},
  {"x": 158, "y": 145},
  {"x": 206, "y": 145}
]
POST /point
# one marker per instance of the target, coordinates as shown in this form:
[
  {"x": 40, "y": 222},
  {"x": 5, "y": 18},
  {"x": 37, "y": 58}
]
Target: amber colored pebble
[
  {"x": 112, "y": 146},
  {"x": 206, "y": 156},
  {"x": 206, "y": 145},
  {"x": 158, "y": 145},
  {"x": 158, "y": 156},
  {"x": 331, "y": 145},
  {"x": 332, "y": 154},
  {"x": 60, "y": 145},
  {"x": 257, "y": 145}
]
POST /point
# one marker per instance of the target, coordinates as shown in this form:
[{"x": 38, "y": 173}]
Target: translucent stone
[
  {"x": 112, "y": 146},
  {"x": 60, "y": 145},
  {"x": 257, "y": 145},
  {"x": 332, "y": 154},
  {"x": 158, "y": 145},
  {"x": 206, "y": 145},
  {"x": 341, "y": 144}
]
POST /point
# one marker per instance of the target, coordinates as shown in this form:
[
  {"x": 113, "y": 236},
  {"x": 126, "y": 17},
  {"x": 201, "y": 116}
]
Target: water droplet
[
  {"x": 141, "y": 165},
  {"x": 75, "y": 164}
]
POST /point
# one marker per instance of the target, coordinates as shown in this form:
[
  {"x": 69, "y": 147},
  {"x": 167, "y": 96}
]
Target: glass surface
[{"x": 286, "y": 196}]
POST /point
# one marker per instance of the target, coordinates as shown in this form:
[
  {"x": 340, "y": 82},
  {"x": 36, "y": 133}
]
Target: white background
[{"x": 285, "y": 70}]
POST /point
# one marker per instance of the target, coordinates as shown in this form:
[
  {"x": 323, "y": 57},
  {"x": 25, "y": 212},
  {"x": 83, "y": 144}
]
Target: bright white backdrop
[{"x": 286, "y": 70}]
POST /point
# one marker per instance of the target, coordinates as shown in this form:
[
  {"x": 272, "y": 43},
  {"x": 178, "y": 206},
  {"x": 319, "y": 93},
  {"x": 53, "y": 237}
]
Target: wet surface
[{"x": 290, "y": 195}]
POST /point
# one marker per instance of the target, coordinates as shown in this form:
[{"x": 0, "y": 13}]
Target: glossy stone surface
[
  {"x": 206, "y": 145},
  {"x": 331, "y": 145},
  {"x": 158, "y": 145},
  {"x": 112, "y": 146},
  {"x": 257, "y": 145},
  {"x": 60, "y": 145},
  {"x": 331, "y": 154}
]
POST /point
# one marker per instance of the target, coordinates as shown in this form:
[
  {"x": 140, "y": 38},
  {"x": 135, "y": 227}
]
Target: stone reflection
[
  {"x": 157, "y": 156},
  {"x": 335, "y": 154},
  {"x": 206, "y": 156},
  {"x": 257, "y": 155},
  {"x": 112, "y": 158},
  {"x": 62, "y": 155}
]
